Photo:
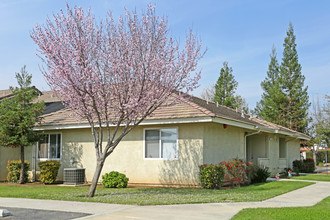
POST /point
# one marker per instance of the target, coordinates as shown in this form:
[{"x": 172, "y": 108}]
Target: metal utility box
[{"x": 74, "y": 176}]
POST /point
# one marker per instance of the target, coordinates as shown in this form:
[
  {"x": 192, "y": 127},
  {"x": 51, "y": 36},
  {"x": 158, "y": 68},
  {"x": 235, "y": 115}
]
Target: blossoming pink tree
[{"x": 115, "y": 74}]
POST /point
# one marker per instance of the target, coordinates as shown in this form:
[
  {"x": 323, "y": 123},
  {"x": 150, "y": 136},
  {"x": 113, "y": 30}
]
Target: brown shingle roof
[
  {"x": 5, "y": 93},
  {"x": 48, "y": 96},
  {"x": 193, "y": 108},
  {"x": 181, "y": 110},
  {"x": 277, "y": 127}
]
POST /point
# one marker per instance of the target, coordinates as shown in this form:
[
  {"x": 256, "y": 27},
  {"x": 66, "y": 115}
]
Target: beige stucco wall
[
  {"x": 257, "y": 147},
  {"x": 7, "y": 154},
  {"x": 293, "y": 151},
  {"x": 128, "y": 156},
  {"x": 264, "y": 150},
  {"x": 274, "y": 154},
  {"x": 198, "y": 143},
  {"x": 221, "y": 143}
]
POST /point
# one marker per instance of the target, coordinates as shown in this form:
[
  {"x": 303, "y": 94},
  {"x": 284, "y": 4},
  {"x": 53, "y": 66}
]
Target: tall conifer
[
  {"x": 271, "y": 104},
  {"x": 295, "y": 106},
  {"x": 225, "y": 87},
  {"x": 285, "y": 99}
]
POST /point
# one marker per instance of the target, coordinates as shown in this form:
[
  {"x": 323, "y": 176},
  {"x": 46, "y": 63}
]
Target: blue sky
[{"x": 239, "y": 32}]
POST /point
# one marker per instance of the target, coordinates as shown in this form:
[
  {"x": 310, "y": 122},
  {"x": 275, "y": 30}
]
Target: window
[
  {"x": 161, "y": 143},
  {"x": 50, "y": 147},
  {"x": 282, "y": 148}
]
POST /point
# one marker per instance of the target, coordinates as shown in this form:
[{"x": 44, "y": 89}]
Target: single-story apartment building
[{"x": 167, "y": 147}]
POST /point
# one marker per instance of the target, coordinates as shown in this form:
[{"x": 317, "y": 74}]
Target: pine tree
[
  {"x": 285, "y": 99},
  {"x": 294, "y": 113},
  {"x": 18, "y": 116},
  {"x": 271, "y": 104},
  {"x": 225, "y": 87}
]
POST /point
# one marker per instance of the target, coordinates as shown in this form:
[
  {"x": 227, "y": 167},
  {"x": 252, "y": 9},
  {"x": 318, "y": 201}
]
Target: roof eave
[
  {"x": 145, "y": 122},
  {"x": 183, "y": 121}
]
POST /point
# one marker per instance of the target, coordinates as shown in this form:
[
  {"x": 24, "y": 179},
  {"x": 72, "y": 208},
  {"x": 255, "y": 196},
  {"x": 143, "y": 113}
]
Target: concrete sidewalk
[{"x": 307, "y": 196}]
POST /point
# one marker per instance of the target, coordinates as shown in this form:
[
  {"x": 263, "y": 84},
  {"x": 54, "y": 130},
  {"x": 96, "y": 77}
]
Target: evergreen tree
[
  {"x": 321, "y": 123},
  {"x": 18, "y": 116},
  {"x": 294, "y": 113},
  {"x": 225, "y": 87},
  {"x": 285, "y": 100},
  {"x": 271, "y": 104}
]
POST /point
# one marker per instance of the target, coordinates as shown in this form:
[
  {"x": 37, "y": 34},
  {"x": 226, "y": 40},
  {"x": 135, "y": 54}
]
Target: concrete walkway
[{"x": 307, "y": 196}]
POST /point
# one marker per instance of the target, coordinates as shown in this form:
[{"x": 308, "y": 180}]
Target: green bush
[
  {"x": 211, "y": 176},
  {"x": 114, "y": 179},
  {"x": 14, "y": 168},
  {"x": 308, "y": 166},
  {"x": 250, "y": 170},
  {"x": 236, "y": 171},
  {"x": 260, "y": 175},
  {"x": 48, "y": 171},
  {"x": 305, "y": 166},
  {"x": 297, "y": 166}
]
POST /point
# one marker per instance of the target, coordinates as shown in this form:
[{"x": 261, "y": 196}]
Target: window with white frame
[
  {"x": 50, "y": 147},
  {"x": 161, "y": 143}
]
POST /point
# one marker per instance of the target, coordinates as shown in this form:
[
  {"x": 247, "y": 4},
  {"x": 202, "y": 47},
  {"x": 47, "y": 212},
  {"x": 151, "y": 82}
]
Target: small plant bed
[
  {"x": 154, "y": 196},
  {"x": 316, "y": 177},
  {"x": 319, "y": 211}
]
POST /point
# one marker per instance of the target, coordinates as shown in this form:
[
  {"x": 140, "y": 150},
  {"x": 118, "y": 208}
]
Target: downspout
[{"x": 246, "y": 135}]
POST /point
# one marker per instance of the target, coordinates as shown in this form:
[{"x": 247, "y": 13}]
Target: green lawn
[
  {"x": 154, "y": 196},
  {"x": 320, "y": 211},
  {"x": 316, "y": 177}
]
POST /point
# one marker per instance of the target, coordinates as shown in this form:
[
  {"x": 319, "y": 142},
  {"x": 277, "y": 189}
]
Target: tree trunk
[
  {"x": 21, "y": 176},
  {"x": 99, "y": 166}
]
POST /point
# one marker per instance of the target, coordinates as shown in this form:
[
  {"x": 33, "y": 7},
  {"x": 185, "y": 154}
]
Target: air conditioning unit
[{"x": 74, "y": 176}]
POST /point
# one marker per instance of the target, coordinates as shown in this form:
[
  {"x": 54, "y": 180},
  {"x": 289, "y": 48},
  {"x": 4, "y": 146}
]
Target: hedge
[
  {"x": 305, "y": 166},
  {"x": 49, "y": 171},
  {"x": 14, "y": 168},
  {"x": 211, "y": 176}
]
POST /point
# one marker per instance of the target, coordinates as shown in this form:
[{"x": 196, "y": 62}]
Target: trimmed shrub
[
  {"x": 48, "y": 171},
  {"x": 114, "y": 179},
  {"x": 235, "y": 172},
  {"x": 260, "y": 175},
  {"x": 14, "y": 168},
  {"x": 305, "y": 166},
  {"x": 308, "y": 166},
  {"x": 297, "y": 166},
  {"x": 211, "y": 176}
]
